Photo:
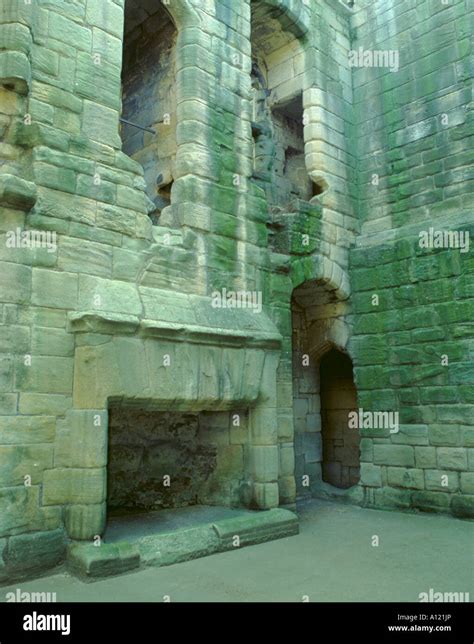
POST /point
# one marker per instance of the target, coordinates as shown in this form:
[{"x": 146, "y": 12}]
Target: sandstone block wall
[
  {"x": 412, "y": 351},
  {"x": 118, "y": 290}
]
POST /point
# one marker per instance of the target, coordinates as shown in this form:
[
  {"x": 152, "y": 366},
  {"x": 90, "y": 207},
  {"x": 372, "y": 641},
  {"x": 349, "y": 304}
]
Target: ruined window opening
[
  {"x": 290, "y": 164},
  {"x": 148, "y": 120},
  {"x": 277, "y": 67},
  {"x": 340, "y": 443}
]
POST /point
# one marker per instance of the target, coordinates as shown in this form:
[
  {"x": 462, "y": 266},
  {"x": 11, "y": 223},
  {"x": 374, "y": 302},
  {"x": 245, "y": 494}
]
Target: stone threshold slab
[{"x": 89, "y": 561}]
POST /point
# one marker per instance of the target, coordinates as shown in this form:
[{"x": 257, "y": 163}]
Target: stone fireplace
[
  {"x": 175, "y": 434},
  {"x": 170, "y": 415}
]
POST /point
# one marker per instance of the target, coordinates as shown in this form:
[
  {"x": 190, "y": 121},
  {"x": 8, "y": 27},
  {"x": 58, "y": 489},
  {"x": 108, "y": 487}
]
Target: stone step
[
  {"x": 88, "y": 561},
  {"x": 257, "y": 528}
]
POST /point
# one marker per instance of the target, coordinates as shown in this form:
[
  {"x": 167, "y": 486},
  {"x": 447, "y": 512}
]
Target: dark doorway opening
[{"x": 341, "y": 444}]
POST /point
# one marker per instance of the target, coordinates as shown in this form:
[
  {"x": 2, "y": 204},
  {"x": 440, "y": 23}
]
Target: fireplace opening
[
  {"x": 163, "y": 460},
  {"x": 341, "y": 443}
]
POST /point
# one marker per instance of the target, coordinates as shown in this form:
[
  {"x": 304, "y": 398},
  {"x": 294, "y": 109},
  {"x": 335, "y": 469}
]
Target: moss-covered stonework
[{"x": 282, "y": 172}]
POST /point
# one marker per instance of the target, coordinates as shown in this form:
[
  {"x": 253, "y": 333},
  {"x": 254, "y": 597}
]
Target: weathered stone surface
[
  {"x": 265, "y": 495},
  {"x": 182, "y": 544},
  {"x": 108, "y": 295},
  {"x": 452, "y": 458},
  {"x": 463, "y": 506},
  {"x": 15, "y": 282},
  {"x": 73, "y": 485},
  {"x": 405, "y": 478},
  {"x": 21, "y": 430},
  {"x": 430, "y": 501},
  {"x": 58, "y": 290},
  {"x": 15, "y": 69},
  {"x": 43, "y": 404},
  {"x": 203, "y": 389},
  {"x": 32, "y": 553},
  {"x": 467, "y": 482},
  {"x": 53, "y": 342},
  {"x": 257, "y": 528},
  {"x": 425, "y": 457},
  {"x": 85, "y": 522},
  {"x": 45, "y": 375},
  {"x": 100, "y": 124},
  {"x": 24, "y": 464},
  {"x": 394, "y": 455},
  {"x": 411, "y": 435},
  {"x": 81, "y": 439},
  {"x": 389, "y": 497},
  {"x": 16, "y": 192},
  {"x": 264, "y": 463},
  {"x": 101, "y": 561},
  {"x": 268, "y": 166},
  {"x": 20, "y": 511},
  {"x": 370, "y": 475},
  {"x": 3, "y": 569},
  {"x": 69, "y": 207},
  {"x": 442, "y": 481}
]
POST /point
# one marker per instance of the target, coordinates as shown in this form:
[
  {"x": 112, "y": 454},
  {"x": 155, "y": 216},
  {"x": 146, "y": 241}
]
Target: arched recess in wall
[
  {"x": 278, "y": 82},
  {"x": 323, "y": 388},
  {"x": 150, "y": 92},
  {"x": 340, "y": 456}
]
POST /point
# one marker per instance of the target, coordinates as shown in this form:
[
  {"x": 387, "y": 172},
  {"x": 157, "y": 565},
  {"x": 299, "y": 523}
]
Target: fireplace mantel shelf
[{"x": 105, "y": 322}]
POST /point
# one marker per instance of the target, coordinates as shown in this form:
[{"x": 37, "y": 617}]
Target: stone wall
[
  {"x": 306, "y": 409},
  {"x": 65, "y": 173},
  {"x": 87, "y": 321},
  {"x": 412, "y": 344}
]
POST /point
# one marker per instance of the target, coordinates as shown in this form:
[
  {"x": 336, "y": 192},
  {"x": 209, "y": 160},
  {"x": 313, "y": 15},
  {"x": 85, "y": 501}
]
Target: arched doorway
[
  {"x": 340, "y": 443},
  {"x": 326, "y": 451}
]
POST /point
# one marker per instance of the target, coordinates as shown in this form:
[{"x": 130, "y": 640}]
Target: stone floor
[{"x": 332, "y": 559}]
